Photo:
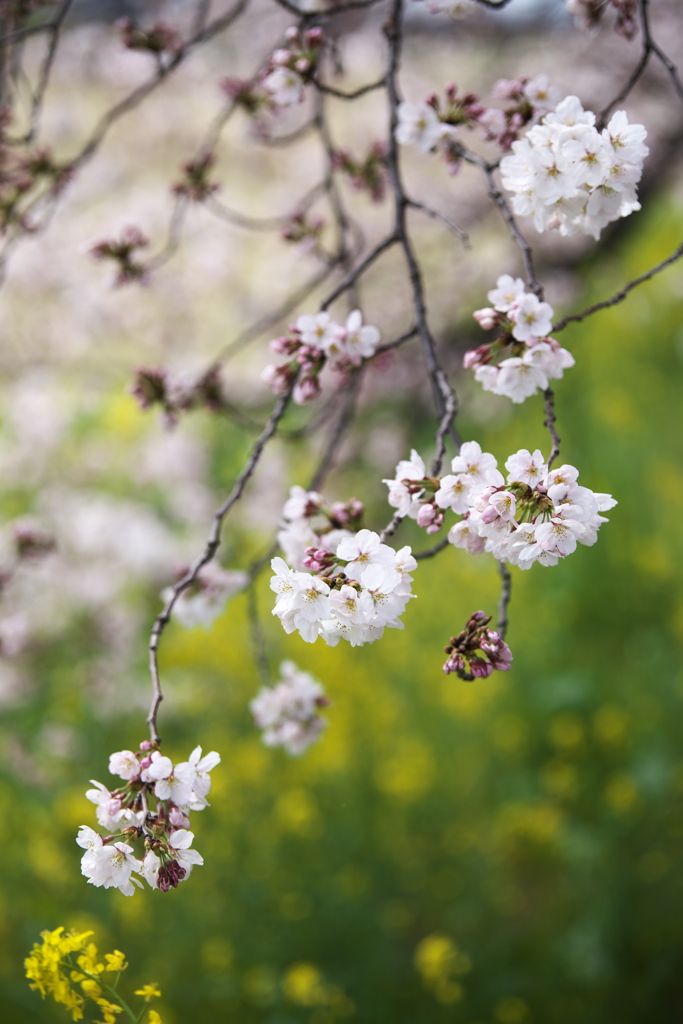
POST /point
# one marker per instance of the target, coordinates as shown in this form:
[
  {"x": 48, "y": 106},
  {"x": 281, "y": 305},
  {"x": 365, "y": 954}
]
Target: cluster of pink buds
[
  {"x": 524, "y": 323},
  {"x": 305, "y": 231},
  {"x": 124, "y": 253},
  {"x": 526, "y": 100},
  {"x": 477, "y": 651},
  {"x": 151, "y": 808},
  {"x": 292, "y": 67},
  {"x": 313, "y": 343},
  {"x": 367, "y": 175},
  {"x": 589, "y": 13},
  {"x": 157, "y": 39},
  {"x": 25, "y": 544},
  {"x": 24, "y": 175},
  {"x": 433, "y": 125},
  {"x": 176, "y": 394},
  {"x": 195, "y": 184},
  {"x": 312, "y": 528}
]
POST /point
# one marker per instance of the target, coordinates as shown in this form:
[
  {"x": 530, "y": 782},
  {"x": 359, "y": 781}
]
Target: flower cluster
[
  {"x": 123, "y": 252},
  {"x": 313, "y": 343},
  {"x": 433, "y": 125},
  {"x": 289, "y": 713},
  {"x": 589, "y": 13},
  {"x": 525, "y": 323},
  {"x": 65, "y": 960},
  {"x": 204, "y": 600},
  {"x": 125, "y": 812},
  {"x": 292, "y": 67},
  {"x": 538, "y": 515},
  {"x": 370, "y": 174},
  {"x": 176, "y": 393},
  {"x": 359, "y": 589},
  {"x": 526, "y": 100},
  {"x": 569, "y": 176},
  {"x": 310, "y": 523},
  {"x": 477, "y": 650},
  {"x": 158, "y": 39}
]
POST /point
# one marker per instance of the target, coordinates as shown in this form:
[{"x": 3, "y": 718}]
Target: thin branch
[
  {"x": 134, "y": 98},
  {"x": 430, "y": 552},
  {"x": 46, "y": 70},
  {"x": 549, "y": 422},
  {"x": 620, "y": 295},
  {"x": 352, "y": 277},
  {"x": 264, "y": 223},
  {"x": 397, "y": 342},
  {"x": 437, "y": 215},
  {"x": 650, "y": 47},
  {"x": 207, "y": 555},
  {"x": 444, "y": 396},
  {"x": 356, "y": 94},
  {"x": 264, "y": 323},
  {"x": 505, "y": 594}
]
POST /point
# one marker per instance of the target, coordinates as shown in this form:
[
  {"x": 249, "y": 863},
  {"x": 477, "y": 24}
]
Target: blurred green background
[{"x": 502, "y": 852}]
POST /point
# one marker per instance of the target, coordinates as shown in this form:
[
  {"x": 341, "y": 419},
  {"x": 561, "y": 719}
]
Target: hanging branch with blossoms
[{"x": 544, "y": 164}]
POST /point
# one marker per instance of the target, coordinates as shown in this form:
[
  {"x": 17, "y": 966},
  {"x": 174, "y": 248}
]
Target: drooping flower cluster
[
  {"x": 525, "y": 323},
  {"x": 289, "y": 712},
  {"x": 205, "y": 599},
  {"x": 126, "y": 812},
  {"x": 359, "y": 589},
  {"x": 65, "y": 960},
  {"x": 569, "y": 176},
  {"x": 538, "y": 515},
  {"x": 476, "y": 651},
  {"x": 313, "y": 343}
]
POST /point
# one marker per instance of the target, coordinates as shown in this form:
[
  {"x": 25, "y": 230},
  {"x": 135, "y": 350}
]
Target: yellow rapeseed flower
[
  {"x": 148, "y": 992},
  {"x": 116, "y": 961}
]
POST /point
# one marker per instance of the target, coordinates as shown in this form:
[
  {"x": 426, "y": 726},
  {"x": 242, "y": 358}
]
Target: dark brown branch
[
  {"x": 264, "y": 223},
  {"x": 505, "y": 594},
  {"x": 437, "y": 215},
  {"x": 444, "y": 396},
  {"x": 207, "y": 555},
  {"x": 620, "y": 295},
  {"x": 549, "y": 422},
  {"x": 430, "y": 552},
  {"x": 356, "y": 94}
]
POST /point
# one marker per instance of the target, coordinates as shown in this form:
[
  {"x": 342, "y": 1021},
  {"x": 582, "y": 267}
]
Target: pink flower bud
[
  {"x": 427, "y": 514},
  {"x": 477, "y": 357},
  {"x": 490, "y": 514},
  {"x": 306, "y": 390},
  {"x": 487, "y": 318}
]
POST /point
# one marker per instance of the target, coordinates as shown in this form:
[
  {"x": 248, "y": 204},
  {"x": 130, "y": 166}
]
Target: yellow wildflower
[
  {"x": 148, "y": 992},
  {"x": 116, "y": 961}
]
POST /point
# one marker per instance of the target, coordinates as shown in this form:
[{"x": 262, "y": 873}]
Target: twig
[
  {"x": 207, "y": 555},
  {"x": 437, "y": 215},
  {"x": 430, "y": 552},
  {"x": 549, "y": 422},
  {"x": 620, "y": 295},
  {"x": 505, "y": 594}
]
